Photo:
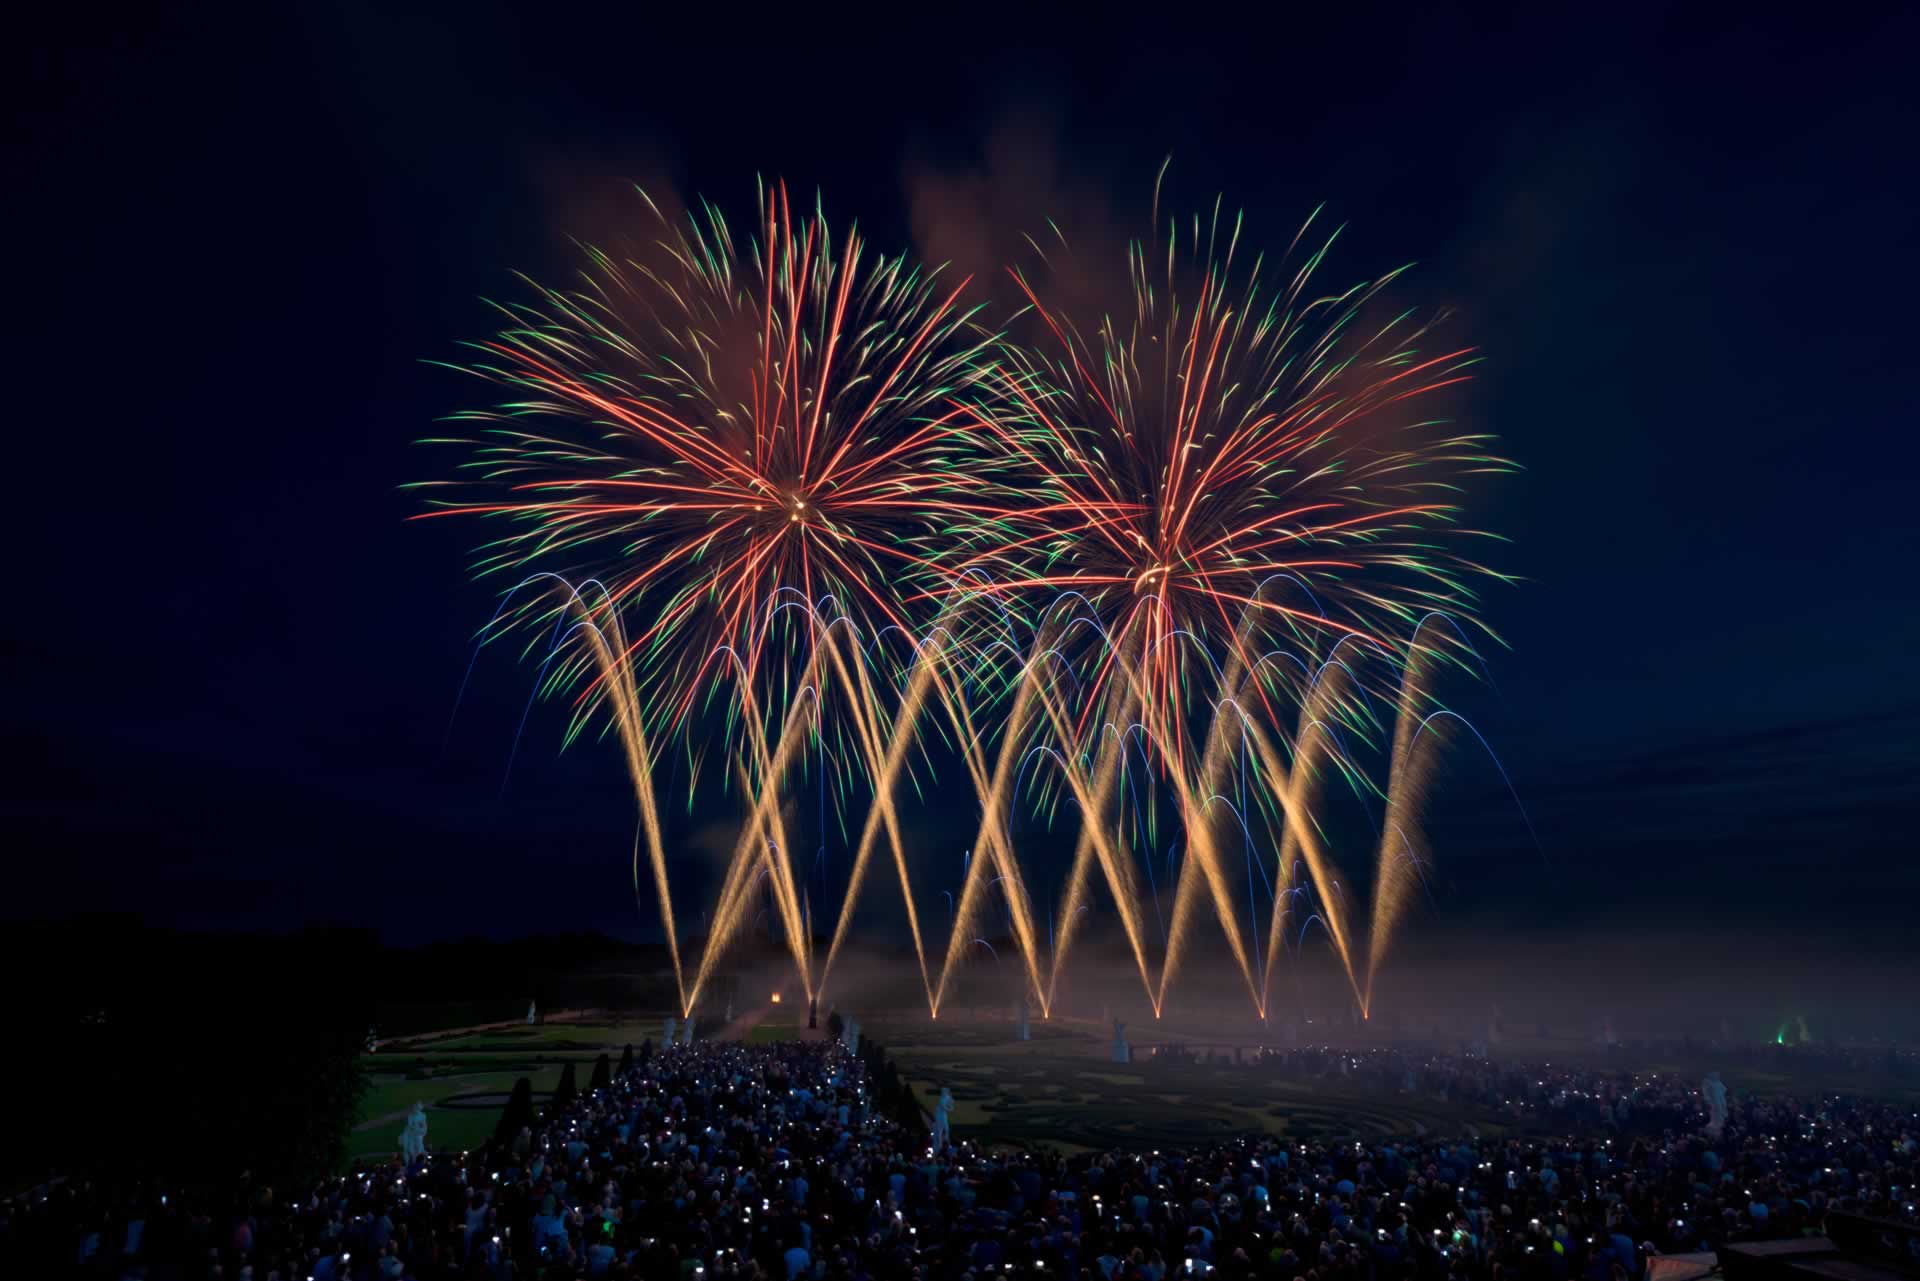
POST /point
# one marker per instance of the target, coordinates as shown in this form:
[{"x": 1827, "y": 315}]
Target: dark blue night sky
[{"x": 1691, "y": 253}]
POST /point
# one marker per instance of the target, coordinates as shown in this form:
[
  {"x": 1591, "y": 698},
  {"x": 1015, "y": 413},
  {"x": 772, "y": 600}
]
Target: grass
[
  {"x": 447, "y": 1130},
  {"x": 487, "y": 1062},
  {"x": 539, "y": 1037},
  {"x": 762, "y": 1033},
  {"x": 481, "y": 1063},
  {"x": 389, "y": 1094}
]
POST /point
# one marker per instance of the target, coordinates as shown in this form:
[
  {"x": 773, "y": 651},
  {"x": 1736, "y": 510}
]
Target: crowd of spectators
[{"x": 804, "y": 1160}]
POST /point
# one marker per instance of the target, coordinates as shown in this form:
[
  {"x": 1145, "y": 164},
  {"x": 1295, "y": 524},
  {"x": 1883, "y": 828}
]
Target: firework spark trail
[
  {"x": 1121, "y": 883},
  {"x": 1114, "y": 865},
  {"x": 1302, "y": 790},
  {"x": 1319, "y": 867},
  {"x": 995, "y": 805},
  {"x": 885, "y": 766},
  {"x": 1402, "y": 845},
  {"x": 1226, "y": 728},
  {"x": 757, "y": 849},
  {"x": 619, "y": 693},
  {"x": 764, "y": 824},
  {"x": 1203, "y": 852},
  {"x": 768, "y": 851},
  {"x": 772, "y": 834}
]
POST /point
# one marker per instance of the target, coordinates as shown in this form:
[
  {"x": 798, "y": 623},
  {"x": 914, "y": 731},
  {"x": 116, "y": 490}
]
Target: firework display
[{"x": 1168, "y": 574}]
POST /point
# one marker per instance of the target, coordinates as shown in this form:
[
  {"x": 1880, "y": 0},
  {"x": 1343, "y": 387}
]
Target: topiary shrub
[
  {"x": 564, "y": 1093},
  {"x": 518, "y": 1114},
  {"x": 908, "y": 1114}
]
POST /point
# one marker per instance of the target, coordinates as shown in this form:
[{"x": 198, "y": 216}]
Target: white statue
[
  {"x": 1122, "y": 1052},
  {"x": 686, "y": 1033},
  {"x": 1714, "y": 1092},
  {"x": 531, "y": 1017},
  {"x": 666, "y": 1038},
  {"x": 1026, "y": 1034},
  {"x": 940, "y": 1111},
  {"x": 413, "y": 1136}
]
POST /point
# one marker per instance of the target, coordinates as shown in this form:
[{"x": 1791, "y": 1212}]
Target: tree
[
  {"x": 836, "y": 1026},
  {"x": 909, "y": 1114},
  {"x": 518, "y": 1114},
  {"x": 626, "y": 1059},
  {"x": 564, "y": 1093},
  {"x": 602, "y": 1073},
  {"x": 114, "y": 994}
]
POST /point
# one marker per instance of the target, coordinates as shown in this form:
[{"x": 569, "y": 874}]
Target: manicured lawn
[
  {"x": 761, "y": 1033},
  {"x": 1060, "y": 1089},
  {"x": 541, "y": 1037},
  {"x": 1077, "y": 1102},
  {"x": 391, "y": 1095},
  {"x": 447, "y": 1128},
  {"x": 486, "y": 1062},
  {"x": 447, "y": 1131}
]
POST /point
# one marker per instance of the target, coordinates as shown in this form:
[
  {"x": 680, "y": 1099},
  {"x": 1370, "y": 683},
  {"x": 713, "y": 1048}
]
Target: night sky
[{"x": 1688, "y": 251}]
